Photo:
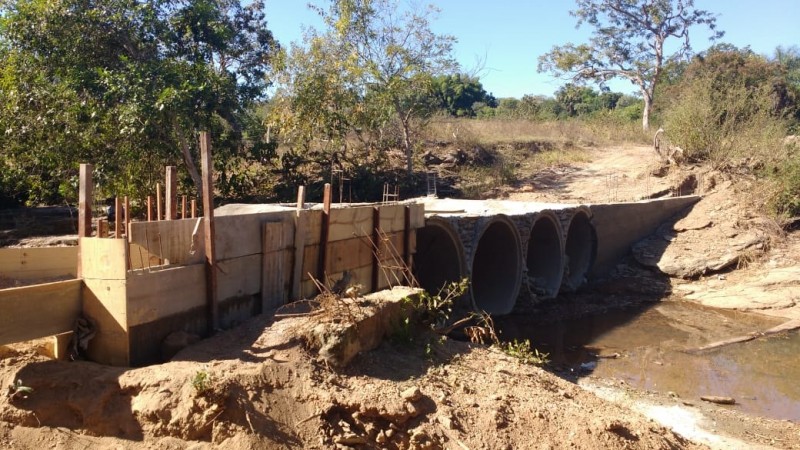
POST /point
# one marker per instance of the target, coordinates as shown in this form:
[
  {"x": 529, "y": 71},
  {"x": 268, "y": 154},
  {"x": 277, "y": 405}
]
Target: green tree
[
  {"x": 458, "y": 93},
  {"x": 628, "y": 42},
  {"x": 395, "y": 55},
  {"x": 125, "y": 84}
]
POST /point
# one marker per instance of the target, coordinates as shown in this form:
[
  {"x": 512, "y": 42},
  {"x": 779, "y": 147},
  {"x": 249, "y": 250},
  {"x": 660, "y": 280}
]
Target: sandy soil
[{"x": 258, "y": 386}]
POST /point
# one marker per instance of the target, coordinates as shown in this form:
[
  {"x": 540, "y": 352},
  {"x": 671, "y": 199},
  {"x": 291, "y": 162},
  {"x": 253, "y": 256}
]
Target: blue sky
[{"x": 509, "y": 35}]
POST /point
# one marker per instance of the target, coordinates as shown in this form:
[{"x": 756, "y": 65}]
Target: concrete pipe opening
[
  {"x": 544, "y": 259},
  {"x": 439, "y": 258},
  {"x": 580, "y": 250},
  {"x": 496, "y": 267}
]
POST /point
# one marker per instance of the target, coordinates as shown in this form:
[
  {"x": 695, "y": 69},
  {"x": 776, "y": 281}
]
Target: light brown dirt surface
[
  {"x": 262, "y": 389},
  {"x": 258, "y": 386}
]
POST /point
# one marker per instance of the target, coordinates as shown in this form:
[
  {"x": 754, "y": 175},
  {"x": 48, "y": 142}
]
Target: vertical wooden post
[
  {"x": 299, "y": 244},
  {"x": 183, "y": 206},
  {"x": 324, "y": 230},
  {"x": 376, "y": 251},
  {"x": 102, "y": 227},
  {"x": 85, "y": 201},
  {"x": 117, "y": 218},
  {"x": 171, "y": 198},
  {"x": 85, "y": 188},
  {"x": 126, "y": 210},
  {"x": 407, "y": 242},
  {"x": 208, "y": 225},
  {"x": 149, "y": 208},
  {"x": 194, "y": 208},
  {"x": 159, "y": 209},
  {"x": 301, "y": 197}
]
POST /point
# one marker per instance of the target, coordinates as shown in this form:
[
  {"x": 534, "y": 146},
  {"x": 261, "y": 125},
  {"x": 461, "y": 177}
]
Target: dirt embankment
[{"x": 258, "y": 386}]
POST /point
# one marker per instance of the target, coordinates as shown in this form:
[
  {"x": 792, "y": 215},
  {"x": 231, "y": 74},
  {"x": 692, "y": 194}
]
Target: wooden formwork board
[
  {"x": 43, "y": 262},
  {"x": 103, "y": 259},
  {"x": 241, "y": 234},
  {"x": 153, "y": 295},
  {"x": 176, "y": 241},
  {"x": 239, "y": 277},
  {"x": 276, "y": 264},
  {"x": 105, "y": 304},
  {"x": 40, "y": 310}
]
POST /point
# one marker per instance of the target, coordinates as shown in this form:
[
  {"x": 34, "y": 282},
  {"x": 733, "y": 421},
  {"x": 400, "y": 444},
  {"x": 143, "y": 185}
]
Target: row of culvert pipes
[{"x": 508, "y": 250}]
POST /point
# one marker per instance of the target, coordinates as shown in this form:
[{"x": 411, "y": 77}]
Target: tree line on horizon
[{"x": 128, "y": 84}]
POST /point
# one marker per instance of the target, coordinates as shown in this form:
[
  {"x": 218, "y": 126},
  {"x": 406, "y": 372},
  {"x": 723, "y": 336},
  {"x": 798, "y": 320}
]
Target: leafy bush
[{"x": 724, "y": 123}]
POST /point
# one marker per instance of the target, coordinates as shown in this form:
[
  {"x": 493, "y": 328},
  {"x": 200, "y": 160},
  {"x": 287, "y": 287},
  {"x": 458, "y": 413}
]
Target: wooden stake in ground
[
  {"x": 325, "y": 229},
  {"x": 149, "y": 208},
  {"x": 159, "y": 209},
  {"x": 208, "y": 225},
  {"x": 85, "y": 201},
  {"x": 171, "y": 199},
  {"x": 194, "y": 208},
  {"x": 125, "y": 210},
  {"x": 117, "y": 218},
  {"x": 299, "y": 244},
  {"x": 183, "y": 206}
]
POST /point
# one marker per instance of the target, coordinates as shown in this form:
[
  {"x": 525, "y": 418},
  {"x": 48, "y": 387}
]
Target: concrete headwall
[{"x": 620, "y": 225}]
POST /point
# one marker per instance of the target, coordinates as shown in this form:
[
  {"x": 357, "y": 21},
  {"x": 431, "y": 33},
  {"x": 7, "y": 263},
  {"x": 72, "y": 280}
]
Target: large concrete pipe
[
  {"x": 580, "y": 249},
  {"x": 496, "y": 265},
  {"x": 544, "y": 259},
  {"x": 440, "y": 255}
]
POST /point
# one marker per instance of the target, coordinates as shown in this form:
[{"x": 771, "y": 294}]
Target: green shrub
[{"x": 724, "y": 122}]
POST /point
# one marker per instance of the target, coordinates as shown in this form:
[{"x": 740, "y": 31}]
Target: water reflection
[{"x": 651, "y": 342}]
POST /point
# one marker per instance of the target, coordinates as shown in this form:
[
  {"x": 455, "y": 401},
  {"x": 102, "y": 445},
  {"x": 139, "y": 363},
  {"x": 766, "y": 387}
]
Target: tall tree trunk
[
  {"x": 188, "y": 160},
  {"x": 648, "y": 106},
  {"x": 408, "y": 148}
]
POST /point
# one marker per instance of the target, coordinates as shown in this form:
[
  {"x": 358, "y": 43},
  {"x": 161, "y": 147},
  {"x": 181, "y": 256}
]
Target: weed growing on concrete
[{"x": 523, "y": 351}]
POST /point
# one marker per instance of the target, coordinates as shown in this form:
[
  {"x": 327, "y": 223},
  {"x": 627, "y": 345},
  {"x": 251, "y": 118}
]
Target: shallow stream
[{"x": 650, "y": 348}]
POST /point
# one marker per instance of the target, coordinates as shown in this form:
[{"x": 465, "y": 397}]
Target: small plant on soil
[
  {"x": 201, "y": 382},
  {"x": 523, "y": 351}
]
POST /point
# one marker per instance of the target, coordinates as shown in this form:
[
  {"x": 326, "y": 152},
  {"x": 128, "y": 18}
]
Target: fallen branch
[
  {"x": 718, "y": 400},
  {"x": 786, "y": 326}
]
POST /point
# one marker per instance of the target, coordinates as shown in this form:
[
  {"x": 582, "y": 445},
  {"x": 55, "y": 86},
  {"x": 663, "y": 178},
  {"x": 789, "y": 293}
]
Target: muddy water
[{"x": 647, "y": 347}]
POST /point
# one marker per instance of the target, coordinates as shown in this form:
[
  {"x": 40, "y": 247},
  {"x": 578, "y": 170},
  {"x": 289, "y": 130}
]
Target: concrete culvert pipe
[
  {"x": 544, "y": 259},
  {"x": 496, "y": 266},
  {"x": 439, "y": 258},
  {"x": 580, "y": 250}
]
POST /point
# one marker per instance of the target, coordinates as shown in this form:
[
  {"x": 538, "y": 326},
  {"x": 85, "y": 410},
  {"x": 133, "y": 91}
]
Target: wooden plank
[
  {"x": 238, "y": 277},
  {"x": 275, "y": 271},
  {"x": 41, "y": 310},
  {"x": 242, "y": 234},
  {"x": 153, "y": 295},
  {"x": 324, "y": 232},
  {"x": 313, "y": 226},
  {"x": 104, "y": 304},
  {"x": 42, "y": 262},
  {"x": 310, "y": 258},
  {"x": 299, "y": 251},
  {"x": 374, "y": 247},
  {"x": 179, "y": 241},
  {"x": 349, "y": 254},
  {"x": 104, "y": 259},
  {"x": 347, "y": 223},
  {"x": 210, "y": 238},
  {"x": 118, "y": 218},
  {"x": 159, "y": 207},
  {"x": 171, "y": 199},
  {"x": 85, "y": 201}
]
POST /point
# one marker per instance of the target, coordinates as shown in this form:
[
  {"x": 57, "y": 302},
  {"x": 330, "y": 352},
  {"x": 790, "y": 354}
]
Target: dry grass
[{"x": 494, "y": 132}]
